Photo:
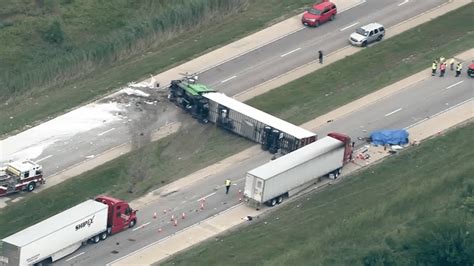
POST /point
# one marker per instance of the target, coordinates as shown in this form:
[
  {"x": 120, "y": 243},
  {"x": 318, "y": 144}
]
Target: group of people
[{"x": 441, "y": 64}]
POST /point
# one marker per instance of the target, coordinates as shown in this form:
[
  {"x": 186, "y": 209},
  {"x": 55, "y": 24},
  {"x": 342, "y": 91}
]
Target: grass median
[
  {"x": 111, "y": 58},
  {"x": 415, "y": 208},
  {"x": 213, "y": 144}
]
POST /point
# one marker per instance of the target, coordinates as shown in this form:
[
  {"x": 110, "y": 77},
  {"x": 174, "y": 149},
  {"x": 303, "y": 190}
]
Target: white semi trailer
[
  {"x": 287, "y": 175},
  {"x": 63, "y": 233}
]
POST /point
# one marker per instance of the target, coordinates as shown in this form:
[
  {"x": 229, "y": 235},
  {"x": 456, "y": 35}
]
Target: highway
[
  {"x": 113, "y": 126},
  {"x": 403, "y": 109}
]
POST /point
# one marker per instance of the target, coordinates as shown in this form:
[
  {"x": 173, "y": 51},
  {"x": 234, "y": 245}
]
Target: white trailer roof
[
  {"x": 258, "y": 115},
  {"x": 296, "y": 158},
  {"x": 54, "y": 223},
  {"x": 24, "y": 166}
]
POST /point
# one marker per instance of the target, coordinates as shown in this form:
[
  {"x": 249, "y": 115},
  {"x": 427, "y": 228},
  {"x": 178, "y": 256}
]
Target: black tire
[
  {"x": 317, "y": 23},
  {"x": 364, "y": 44},
  {"x": 273, "y": 202},
  {"x": 379, "y": 38},
  {"x": 132, "y": 223},
  {"x": 31, "y": 186},
  {"x": 96, "y": 239},
  {"x": 332, "y": 17},
  {"x": 280, "y": 200},
  {"x": 103, "y": 236}
]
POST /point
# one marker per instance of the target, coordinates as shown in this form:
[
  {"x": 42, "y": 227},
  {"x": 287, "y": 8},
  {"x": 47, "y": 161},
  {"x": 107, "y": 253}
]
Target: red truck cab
[
  {"x": 319, "y": 13},
  {"x": 347, "y": 142},
  {"x": 120, "y": 214}
]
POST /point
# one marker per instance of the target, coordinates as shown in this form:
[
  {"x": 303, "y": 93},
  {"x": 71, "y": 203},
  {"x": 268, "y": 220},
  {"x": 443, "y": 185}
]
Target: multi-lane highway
[
  {"x": 402, "y": 109},
  {"x": 85, "y": 140}
]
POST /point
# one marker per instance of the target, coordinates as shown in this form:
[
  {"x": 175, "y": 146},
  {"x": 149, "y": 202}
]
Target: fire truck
[{"x": 20, "y": 176}]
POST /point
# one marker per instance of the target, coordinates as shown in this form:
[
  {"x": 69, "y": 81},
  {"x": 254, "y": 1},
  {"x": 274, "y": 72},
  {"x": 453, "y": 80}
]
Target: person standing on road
[
  {"x": 442, "y": 69},
  {"x": 227, "y": 185},
  {"x": 434, "y": 66},
  {"x": 320, "y": 56},
  {"x": 451, "y": 64},
  {"x": 458, "y": 69}
]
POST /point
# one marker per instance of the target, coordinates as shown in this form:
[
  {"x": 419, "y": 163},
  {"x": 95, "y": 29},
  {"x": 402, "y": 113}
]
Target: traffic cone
[
  {"x": 183, "y": 216},
  {"x": 176, "y": 222},
  {"x": 154, "y": 215},
  {"x": 172, "y": 217}
]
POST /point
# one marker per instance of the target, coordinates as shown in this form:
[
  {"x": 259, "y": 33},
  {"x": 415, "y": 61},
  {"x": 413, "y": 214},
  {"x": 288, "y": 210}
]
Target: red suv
[{"x": 319, "y": 13}]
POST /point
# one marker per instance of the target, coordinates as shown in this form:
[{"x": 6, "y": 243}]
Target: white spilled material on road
[
  {"x": 136, "y": 92},
  {"x": 31, "y": 143}
]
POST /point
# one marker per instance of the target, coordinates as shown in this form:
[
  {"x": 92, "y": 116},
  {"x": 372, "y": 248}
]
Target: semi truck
[
  {"x": 62, "y": 234},
  {"x": 287, "y": 175},
  {"x": 20, "y": 176}
]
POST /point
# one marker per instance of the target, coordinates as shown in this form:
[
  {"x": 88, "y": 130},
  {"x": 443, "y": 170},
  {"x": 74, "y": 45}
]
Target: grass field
[
  {"x": 214, "y": 144},
  {"x": 416, "y": 208},
  {"x": 129, "y": 41}
]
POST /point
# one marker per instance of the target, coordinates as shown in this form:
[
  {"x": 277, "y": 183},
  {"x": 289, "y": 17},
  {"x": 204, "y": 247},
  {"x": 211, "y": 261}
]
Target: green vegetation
[
  {"x": 377, "y": 67},
  {"x": 58, "y": 54},
  {"x": 215, "y": 144},
  {"x": 413, "y": 209}
]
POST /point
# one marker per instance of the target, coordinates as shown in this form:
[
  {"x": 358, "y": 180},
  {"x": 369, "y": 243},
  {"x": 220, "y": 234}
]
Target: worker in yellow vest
[
  {"x": 458, "y": 69},
  {"x": 434, "y": 66},
  {"x": 227, "y": 185}
]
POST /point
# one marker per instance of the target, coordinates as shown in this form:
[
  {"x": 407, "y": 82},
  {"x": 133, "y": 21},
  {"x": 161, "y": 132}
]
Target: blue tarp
[{"x": 391, "y": 137}]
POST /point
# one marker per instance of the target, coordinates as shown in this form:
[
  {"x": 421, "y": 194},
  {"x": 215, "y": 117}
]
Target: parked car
[
  {"x": 367, "y": 34},
  {"x": 470, "y": 70},
  {"x": 319, "y": 13}
]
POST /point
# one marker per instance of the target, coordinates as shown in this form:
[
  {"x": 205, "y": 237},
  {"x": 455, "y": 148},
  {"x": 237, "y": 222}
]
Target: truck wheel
[
  {"x": 31, "y": 186},
  {"x": 103, "y": 236},
  {"x": 273, "y": 202},
  {"x": 96, "y": 239},
  {"x": 280, "y": 199},
  {"x": 132, "y": 223}
]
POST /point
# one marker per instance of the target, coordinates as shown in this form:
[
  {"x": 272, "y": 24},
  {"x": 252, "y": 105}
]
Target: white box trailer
[
  {"x": 277, "y": 179},
  {"x": 56, "y": 236}
]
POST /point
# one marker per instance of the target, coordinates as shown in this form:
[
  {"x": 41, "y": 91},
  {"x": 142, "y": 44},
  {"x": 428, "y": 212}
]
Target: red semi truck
[{"x": 61, "y": 235}]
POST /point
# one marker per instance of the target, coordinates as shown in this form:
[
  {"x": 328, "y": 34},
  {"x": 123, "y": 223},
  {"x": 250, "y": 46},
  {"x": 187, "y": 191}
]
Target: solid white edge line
[
  {"x": 290, "y": 52},
  {"x": 73, "y": 257},
  {"x": 391, "y": 113},
  {"x": 455, "y": 84},
  {"x": 44, "y": 158},
  {"x": 165, "y": 238},
  {"x": 227, "y": 79},
  {"x": 107, "y": 131},
  {"x": 440, "y": 112},
  {"x": 346, "y": 27},
  {"x": 402, "y": 3}
]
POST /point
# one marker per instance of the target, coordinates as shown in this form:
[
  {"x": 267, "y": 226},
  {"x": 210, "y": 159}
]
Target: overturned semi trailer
[{"x": 273, "y": 133}]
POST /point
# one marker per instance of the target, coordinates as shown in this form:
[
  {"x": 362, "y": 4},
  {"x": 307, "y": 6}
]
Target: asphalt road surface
[
  {"x": 235, "y": 76},
  {"x": 401, "y": 110}
]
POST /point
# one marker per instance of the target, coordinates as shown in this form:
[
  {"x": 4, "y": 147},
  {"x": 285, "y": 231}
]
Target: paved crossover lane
[{"x": 408, "y": 106}]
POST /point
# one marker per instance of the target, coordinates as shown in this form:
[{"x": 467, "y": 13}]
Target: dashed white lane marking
[
  {"x": 402, "y": 3},
  {"x": 107, "y": 131},
  {"x": 73, "y": 257},
  {"x": 391, "y": 113},
  {"x": 227, "y": 79},
  {"x": 141, "y": 226},
  {"x": 455, "y": 84},
  {"x": 352, "y": 25},
  {"x": 44, "y": 158},
  {"x": 205, "y": 197},
  {"x": 290, "y": 52}
]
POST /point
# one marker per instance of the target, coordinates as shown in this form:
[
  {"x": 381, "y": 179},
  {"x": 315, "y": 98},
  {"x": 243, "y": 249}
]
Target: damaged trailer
[{"x": 207, "y": 105}]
